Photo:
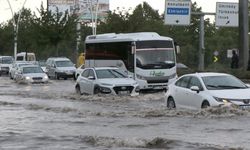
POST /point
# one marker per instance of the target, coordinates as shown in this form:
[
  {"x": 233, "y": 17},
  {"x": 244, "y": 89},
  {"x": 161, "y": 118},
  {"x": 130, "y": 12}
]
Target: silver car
[
  {"x": 31, "y": 74},
  {"x": 15, "y": 67},
  {"x": 106, "y": 80}
]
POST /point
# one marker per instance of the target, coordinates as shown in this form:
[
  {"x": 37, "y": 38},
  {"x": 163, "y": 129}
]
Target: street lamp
[{"x": 15, "y": 25}]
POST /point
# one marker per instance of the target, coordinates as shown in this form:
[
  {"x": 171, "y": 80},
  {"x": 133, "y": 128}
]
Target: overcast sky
[{"x": 5, "y": 13}]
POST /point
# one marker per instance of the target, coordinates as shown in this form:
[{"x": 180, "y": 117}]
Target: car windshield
[
  {"x": 42, "y": 63},
  {"x": 32, "y": 70},
  {"x": 20, "y": 65},
  {"x": 223, "y": 82},
  {"x": 64, "y": 64},
  {"x": 155, "y": 59},
  {"x": 7, "y": 60},
  {"x": 110, "y": 73}
]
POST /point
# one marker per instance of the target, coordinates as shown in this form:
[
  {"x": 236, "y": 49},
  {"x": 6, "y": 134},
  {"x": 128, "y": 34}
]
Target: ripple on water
[{"x": 151, "y": 143}]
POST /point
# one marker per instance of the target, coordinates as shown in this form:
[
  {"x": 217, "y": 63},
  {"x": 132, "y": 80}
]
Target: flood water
[{"x": 52, "y": 116}]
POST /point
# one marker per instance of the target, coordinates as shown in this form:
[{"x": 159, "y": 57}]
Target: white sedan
[
  {"x": 201, "y": 90},
  {"x": 106, "y": 80},
  {"x": 31, "y": 74},
  {"x": 15, "y": 67}
]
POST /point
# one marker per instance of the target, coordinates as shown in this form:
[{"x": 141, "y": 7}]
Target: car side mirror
[
  {"x": 195, "y": 88},
  {"x": 91, "y": 78},
  {"x": 248, "y": 85}
]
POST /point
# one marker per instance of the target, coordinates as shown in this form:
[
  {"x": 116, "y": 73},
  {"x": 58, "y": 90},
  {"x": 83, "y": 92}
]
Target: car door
[
  {"x": 194, "y": 98},
  {"x": 181, "y": 90},
  {"x": 91, "y": 81},
  {"x": 83, "y": 81},
  {"x": 53, "y": 69}
]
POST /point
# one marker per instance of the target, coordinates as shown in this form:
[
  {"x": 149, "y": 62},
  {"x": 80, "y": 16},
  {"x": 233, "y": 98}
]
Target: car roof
[
  {"x": 103, "y": 68},
  {"x": 30, "y": 66},
  {"x": 205, "y": 74},
  {"x": 58, "y": 58}
]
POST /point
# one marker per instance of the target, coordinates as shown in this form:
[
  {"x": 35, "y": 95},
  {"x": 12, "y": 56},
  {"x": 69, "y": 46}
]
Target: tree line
[{"x": 54, "y": 34}]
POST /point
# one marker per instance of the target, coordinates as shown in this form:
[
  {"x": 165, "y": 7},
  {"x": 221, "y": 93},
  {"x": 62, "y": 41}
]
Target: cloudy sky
[{"x": 126, "y": 4}]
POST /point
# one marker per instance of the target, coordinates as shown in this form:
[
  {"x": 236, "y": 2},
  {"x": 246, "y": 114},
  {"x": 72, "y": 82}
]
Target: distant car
[
  {"x": 201, "y": 90},
  {"x": 15, "y": 67},
  {"x": 106, "y": 80},
  {"x": 60, "y": 67},
  {"x": 5, "y": 64},
  {"x": 79, "y": 71},
  {"x": 31, "y": 74},
  {"x": 42, "y": 64}
]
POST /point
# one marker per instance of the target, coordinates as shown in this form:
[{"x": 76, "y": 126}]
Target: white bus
[{"x": 148, "y": 57}]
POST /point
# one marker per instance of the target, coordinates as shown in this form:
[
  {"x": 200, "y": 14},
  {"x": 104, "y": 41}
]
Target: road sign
[
  {"x": 177, "y": 12},
  {"x": 215, "y": 59},
  {"x": 227, "y": 14}
]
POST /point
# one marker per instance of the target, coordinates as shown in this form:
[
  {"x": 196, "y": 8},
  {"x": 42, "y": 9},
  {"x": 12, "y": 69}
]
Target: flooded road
[{"x": 52, "y": 116}]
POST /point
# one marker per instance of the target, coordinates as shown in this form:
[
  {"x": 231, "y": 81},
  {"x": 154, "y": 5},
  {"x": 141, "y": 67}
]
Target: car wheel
[
  {"x": 205, "y": 104},
  {"x": 96, "y": 90},
  {"x": 56, "y": 76},
  {"x": 171, "y": 103},
  {"x": 78, "y": 90},
  {"x": 11, "y": 76}
]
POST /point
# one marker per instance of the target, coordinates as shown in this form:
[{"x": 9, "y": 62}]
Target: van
[
  {"x": 5, "y": 64},
  {"x": 24, "y": 56},
  {"x": 60, "y": 67}
]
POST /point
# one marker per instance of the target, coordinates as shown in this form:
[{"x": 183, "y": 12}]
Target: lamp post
[{"x": 15, "y": 25}]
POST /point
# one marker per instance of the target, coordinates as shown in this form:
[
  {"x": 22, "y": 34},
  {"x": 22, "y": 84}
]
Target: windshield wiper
[
  {"x": 231, "y": 87},
  {"x": 214, "y": 86}
]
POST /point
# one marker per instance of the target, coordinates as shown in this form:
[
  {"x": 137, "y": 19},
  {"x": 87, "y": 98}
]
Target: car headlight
[
  {"x": 140, "y": 77},
  {"x": 222, "y": 100},
  {"x": 45, "y": 77},
  {"x": 137, "y": 89},
  {"x": 27, "y": 78},
  {"x": 105, "y": 90}
]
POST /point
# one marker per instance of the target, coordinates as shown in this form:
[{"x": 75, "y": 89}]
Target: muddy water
[{"x": 52, "y": 116}]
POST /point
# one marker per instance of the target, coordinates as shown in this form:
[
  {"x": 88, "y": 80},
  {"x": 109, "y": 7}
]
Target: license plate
[
  {"x": 123, "y": 92},
  {"x": 245, "y": 107}
]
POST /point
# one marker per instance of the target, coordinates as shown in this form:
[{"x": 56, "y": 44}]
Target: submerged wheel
[
  {"x": 96, "y": 90},
  {"x": 205, "y": 104},
  {"x": 78, "y": 90},
  {"x": 171, "y": 103}
]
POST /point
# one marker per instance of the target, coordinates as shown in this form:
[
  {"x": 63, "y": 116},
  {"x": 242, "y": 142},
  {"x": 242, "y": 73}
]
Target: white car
[
  {"x": 15, "y": 67},
  {"x": 106, "y": 80},
  {"x": 5, "y": 64},
  {"x": 31, "y": 74},
  {"x": 60, "y": 67},
  {"x": 201, "y": 90}
]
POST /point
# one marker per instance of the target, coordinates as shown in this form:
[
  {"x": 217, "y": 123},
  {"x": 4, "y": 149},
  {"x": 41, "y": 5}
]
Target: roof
[
  {"x": 30, "y": 66},
  {"x": 144, "y": 36},
  {"x": 205, "y": 74},
  {"x": 59, "y": 58},
  {"x": 102, "y": 68}
]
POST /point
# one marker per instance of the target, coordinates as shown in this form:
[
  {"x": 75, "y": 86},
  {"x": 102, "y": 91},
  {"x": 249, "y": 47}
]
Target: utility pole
[
  {"x": 201, "y": 65},
  {"x": 201, "y": 44},
  {"x": 243, "y": 30},
  {"x": 16, "y": 25}
]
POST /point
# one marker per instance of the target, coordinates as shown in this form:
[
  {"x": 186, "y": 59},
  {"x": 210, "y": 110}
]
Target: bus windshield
[{"x": 155, "y": 59}]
